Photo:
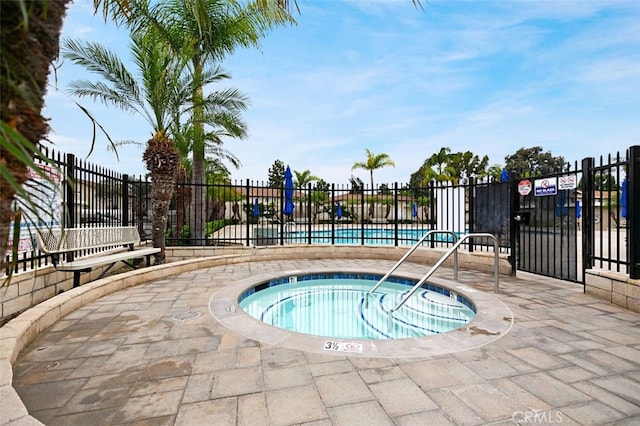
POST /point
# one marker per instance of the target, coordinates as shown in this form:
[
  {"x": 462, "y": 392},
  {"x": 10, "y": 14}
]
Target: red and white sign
[{"x": 524, "y": 187}]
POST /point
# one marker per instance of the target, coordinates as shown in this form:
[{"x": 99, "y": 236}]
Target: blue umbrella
[
  {"x": 256, "y": 208},
  {"x": 415, "y": 210},
  {"x": 288, "y": 193},
  {"x": 339, "y": 211},
  {"x": 624, "y": 198}
]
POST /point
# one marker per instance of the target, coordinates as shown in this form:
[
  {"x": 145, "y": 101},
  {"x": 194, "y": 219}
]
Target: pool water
[
  {"x": 372, "y": 236},
  {"x": 332, "y": 305}
]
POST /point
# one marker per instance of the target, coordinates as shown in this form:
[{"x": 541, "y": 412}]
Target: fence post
[
  {"x": 362, "y": 217},
  {"x": 125, "y": 200},
  {"x": 432, "y": 219},
  {"x": 395, "y": 214},
  {"x": 514, "y": 226},
  {"x": 248, "y": 226},
  {"x": 471, "y": 212},
  {"x": 70, "y": 189},
  {"x": 588, "y": 210},
  {"x": 633, "y": 211},
  {"x": 334, "y": 217}
]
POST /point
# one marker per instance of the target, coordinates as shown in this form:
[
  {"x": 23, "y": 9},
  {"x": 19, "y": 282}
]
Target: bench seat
[
  {"x": 88, "y": 263},
  {"x": 71, "y": 240}
]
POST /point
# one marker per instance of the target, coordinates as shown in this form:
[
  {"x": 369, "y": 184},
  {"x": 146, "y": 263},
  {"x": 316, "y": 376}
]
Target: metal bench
[{"x": 56, "y": 241}]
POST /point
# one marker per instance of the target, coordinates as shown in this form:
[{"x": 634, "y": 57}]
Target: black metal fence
[
  {"x": 612, "y": 225},
  {"x": 251, "y": 213}
]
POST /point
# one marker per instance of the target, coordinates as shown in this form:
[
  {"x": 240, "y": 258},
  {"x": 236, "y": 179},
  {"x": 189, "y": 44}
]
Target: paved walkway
[{"x": 153, "y": 354}]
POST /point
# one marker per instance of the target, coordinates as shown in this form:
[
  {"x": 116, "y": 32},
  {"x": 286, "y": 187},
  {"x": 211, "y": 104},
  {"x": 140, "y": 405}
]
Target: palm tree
[
  {"x": 34, "y": 27},
  {"x": 29, "y": 33},
  {"x": 374, "y": 162},
  {"x": 303, "y": 179},
  {"x": 223, "y": 117},
  {"x": 211, "y": 29},
  {"x": 156, "y": 97}
]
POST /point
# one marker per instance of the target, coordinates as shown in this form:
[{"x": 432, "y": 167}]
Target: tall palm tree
[
  {"x": 374, "y": 162},
  {"x": 30, "y": 33},
  {"x": 34, "y": 26},
  {"x": 303, "y": 179},
  {"x": 211, "y": 29},
  {"x": 159, "y": 93}
]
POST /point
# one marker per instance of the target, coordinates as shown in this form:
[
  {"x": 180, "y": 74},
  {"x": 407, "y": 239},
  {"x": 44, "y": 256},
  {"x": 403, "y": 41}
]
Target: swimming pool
[
  {"x": 333, "y": 305},
  {"x": 371, "y": 236}
]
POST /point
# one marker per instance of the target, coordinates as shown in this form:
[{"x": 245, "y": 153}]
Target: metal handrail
[
  {"x": 439, "y": 263},
  {"x": 407, "y": 254},
  {"x": 289, "y": 228}
]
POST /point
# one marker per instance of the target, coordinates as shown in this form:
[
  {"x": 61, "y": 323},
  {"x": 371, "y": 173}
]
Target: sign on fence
[
  {"x": 567, "y": 182},
  {"x": 524, "y": 187},
  {"x": 546, "y": 186},
  {"x": 47, "y": 196}
]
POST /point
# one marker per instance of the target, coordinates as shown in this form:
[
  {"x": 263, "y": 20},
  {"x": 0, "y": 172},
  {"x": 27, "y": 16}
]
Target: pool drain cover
[{"x": 186, "y": 316}]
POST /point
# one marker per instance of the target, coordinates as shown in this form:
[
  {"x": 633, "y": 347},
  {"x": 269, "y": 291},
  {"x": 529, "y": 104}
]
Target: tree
[
  {"x": 494, "y": 173},
  {"x": 374, "y": 162},
  {"x": 210, "y": 30},
  {"x": 30, "y": 33},
  {"x": 534, "y": 162},
  {"x": 159, "y": 94},
  {"x": 445, "y": 166},
  {"x": 276, "y": 175},
  {"x": 466, "y": 165},
  {"x": 302, "y": 179},
  {"x": 34, "y": 27}
]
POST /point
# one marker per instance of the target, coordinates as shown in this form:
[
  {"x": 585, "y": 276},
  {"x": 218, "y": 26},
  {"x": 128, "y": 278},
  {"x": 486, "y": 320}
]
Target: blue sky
[{"x": 488, "y": 77}]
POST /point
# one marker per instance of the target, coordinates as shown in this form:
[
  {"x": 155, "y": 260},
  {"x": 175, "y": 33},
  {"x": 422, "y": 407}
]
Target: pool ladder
[{"x": 453, "y": 250}]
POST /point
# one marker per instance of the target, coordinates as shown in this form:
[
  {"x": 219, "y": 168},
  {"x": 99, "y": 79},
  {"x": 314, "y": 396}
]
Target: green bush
[{"x": 211, "y": 227}]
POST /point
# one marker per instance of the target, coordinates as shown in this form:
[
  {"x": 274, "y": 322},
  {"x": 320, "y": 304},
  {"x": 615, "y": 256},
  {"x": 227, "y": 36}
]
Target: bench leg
[{"x": 76, "y": 278}]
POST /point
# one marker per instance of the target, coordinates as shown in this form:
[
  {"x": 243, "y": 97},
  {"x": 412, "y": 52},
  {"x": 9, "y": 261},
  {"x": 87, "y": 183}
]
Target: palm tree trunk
[
  {"x": 182, "y": 198},
  {"x": 27, "y": 50},
  {"x": 198, "y": 201},
  {"x": 162, "y": 160}
]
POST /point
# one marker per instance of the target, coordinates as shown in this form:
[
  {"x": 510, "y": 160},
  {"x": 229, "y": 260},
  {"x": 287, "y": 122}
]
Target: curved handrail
[
  {"x": 407, "y": 254},
  {"x": 439, "y": 263}
]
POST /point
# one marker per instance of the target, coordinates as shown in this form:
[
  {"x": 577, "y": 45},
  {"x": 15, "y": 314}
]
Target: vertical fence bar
[
  {"x": 396, "y": 222},
  {"x": 248, "y": 210},
  {"x": 333, "y": 213},
  {"x": 362, "y": 219},
  {"x": 471, "y": 222},
  {"x": 70, "y": 185},
  {"x": 588, "y": 215},
  {"x": 125, "y": 200},
  {"x": 633, "y": 211},
  {"x": 618, "y": 182},
  {"x": 514, "y": 226}
]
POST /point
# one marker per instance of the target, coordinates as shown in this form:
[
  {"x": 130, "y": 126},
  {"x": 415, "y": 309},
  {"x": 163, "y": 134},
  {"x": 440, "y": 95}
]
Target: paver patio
[{"x": 134, "y": 357}]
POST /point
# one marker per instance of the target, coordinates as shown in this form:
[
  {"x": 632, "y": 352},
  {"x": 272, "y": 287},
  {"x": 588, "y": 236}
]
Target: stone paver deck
[{"x": 154, "y": 354}]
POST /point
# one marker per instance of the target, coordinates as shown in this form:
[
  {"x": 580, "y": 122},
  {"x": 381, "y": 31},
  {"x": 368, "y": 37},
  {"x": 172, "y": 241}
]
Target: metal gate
[
  {"x": 548, "y": 230},
  {"x": 565, "y": 223}
]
